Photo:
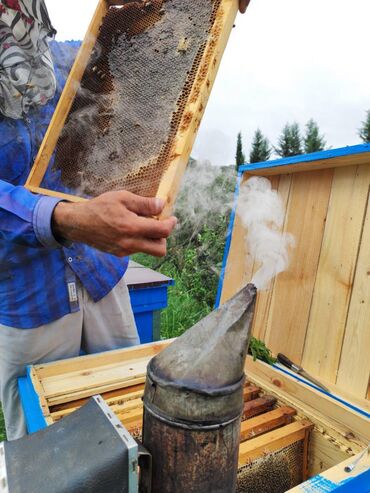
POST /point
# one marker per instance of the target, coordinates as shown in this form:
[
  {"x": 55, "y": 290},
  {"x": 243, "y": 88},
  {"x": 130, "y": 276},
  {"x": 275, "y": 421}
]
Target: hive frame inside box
[
  {"x": 317, "y": 311},
  {"x": 53, "y": 390},
  {"x": 186, "y": 134}
]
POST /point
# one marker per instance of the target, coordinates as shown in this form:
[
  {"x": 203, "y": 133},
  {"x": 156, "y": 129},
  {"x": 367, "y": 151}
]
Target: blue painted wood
[
  {"x": 313, "y": 386},
  {"x": 145, "y": 302},
  {"x": 308, "y": 158},
  {"x": 320, "y": 484},
  {"x": 35, "y": 420}
]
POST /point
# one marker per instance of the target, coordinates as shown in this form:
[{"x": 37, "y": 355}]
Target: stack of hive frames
[
  {"x": 144, "y": 86},
  {"x": 271, "y": 439}
]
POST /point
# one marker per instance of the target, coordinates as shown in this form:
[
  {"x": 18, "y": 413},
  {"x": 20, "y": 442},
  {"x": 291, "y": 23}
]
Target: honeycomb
[
  {"x": 276, "y": 472},
  {"x": 150, "y": 57}
]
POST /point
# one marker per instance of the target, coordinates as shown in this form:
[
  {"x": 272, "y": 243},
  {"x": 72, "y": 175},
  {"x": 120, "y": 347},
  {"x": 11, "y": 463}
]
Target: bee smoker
[{"x": 193, "y": 402}]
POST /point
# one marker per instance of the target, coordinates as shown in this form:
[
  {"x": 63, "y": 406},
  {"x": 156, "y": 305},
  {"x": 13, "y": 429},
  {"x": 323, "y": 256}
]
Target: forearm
[{"x": 25, "y": 218}]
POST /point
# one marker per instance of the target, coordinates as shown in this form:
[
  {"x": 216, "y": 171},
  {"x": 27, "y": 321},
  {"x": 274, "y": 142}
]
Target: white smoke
[{"x": 262, "y": 214}]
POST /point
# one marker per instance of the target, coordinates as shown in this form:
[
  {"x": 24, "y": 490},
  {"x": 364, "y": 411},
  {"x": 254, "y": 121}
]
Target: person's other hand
[
  {"x": 120, "y": 223},
  {"x": 243, "y": 5}
]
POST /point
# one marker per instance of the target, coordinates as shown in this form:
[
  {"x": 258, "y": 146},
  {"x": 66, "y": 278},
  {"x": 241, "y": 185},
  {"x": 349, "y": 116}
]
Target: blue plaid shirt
[{"x": 37, "y": 275}]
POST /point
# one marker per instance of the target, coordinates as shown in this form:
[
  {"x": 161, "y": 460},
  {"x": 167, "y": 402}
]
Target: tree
[
  {"x": 239, "y": 157},
  {"x": 364, "y": 131},
  {"x": 313, "y": 141},
  {"x": 261, "y": 150},
  {"x": 290, "y": 141}
]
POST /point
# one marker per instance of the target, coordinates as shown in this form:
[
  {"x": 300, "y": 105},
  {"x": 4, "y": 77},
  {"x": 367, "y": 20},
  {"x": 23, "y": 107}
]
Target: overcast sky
[{"x": 287, "y": 60}]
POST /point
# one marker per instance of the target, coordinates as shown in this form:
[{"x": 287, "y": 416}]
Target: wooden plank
[
  {"x": 132, "y": 398},
  {"x": 124, "y": 397},
  {"x": 120, "y": 393},
  {"x": 272, "y": 441},
  {"x": 239, "y": 267},
  {"x": 109, "y": 375},
  {"x": 250, "y": 392},
  {"x": 258, "y": 406},
  {"x": 345, "y": 426},
  {"x": 89, "y": 392},
  {"x": 37, "y": 385},
  {"x": 323, "y": 453},
  {"x": 354, "y": 367},
  {"x": 314, "y": 165},
  {"x": 264, "y": 297},
  {"x": 266, "y": 422},
  {"x": 66, "y": 100},
  {"x": 93, "y": 361},
  {"x": 291, "y": 300},
  {"x": 197, "y": 102},
  {"x": 52, "y": 193},
  {"x": 337, "y": 479},
  {"x": 335, "y": 273}
]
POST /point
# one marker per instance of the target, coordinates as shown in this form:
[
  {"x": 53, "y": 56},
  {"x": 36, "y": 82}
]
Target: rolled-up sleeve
[{"x": 25, "y": 218}]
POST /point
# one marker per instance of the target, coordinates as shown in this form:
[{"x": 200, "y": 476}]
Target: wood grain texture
[
  {"x": 293, "y": 289},
  {"x": 253, "y": 427},
  {"x": 272, "y": 441},
  {"x": 346, "y": 428},
  {"x": 282, "y": 184},
  {"x": 335, "y": 273},
  {"x": 239, "y": 268},
  {"x": 354, "y": 366}
]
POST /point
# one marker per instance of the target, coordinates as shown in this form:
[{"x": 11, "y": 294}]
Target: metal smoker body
[{"x": 193, "y": 402}]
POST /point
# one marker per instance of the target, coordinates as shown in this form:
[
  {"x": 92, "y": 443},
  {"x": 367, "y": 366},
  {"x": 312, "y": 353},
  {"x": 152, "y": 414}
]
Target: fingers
[
  {"x": 243, "y": 5},
  {"x": 156, "y": 248},
  {"x": 142, "y": 206},
  {"x": 153, "y": 229}
]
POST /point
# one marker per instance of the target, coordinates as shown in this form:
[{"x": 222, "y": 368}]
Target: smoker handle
[
  {"x": 284, "y": 360},
  {"x": 145, "y": 467}
]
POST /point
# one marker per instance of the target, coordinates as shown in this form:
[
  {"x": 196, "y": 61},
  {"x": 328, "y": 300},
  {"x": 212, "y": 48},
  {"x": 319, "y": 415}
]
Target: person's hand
[
  {"x": 243, "y": 5},
  {"x": 120, "y": 223}
]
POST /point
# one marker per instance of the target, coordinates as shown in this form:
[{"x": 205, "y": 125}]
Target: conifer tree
[
  {"x": 364, "y": 131},
  {"x": 239, "y": 157},
  {"x": 290, "y": 141},
  {"x": 261, "y": 150},
  {"x": 313, "y": 141}
]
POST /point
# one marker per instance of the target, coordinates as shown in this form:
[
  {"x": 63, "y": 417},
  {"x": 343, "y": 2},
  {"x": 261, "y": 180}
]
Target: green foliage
[
  {"x": 261, "y": 150},
  {"x": 364, "y": 132},
  {"x": 290, "y": 141},
  {"x": 259, "y": 350},
  {"x": 195, "y": 250},
  {"x": 239, "y": 157},
  {"x": 313, "y": 141},
  {"x": 2, "y": 426}
]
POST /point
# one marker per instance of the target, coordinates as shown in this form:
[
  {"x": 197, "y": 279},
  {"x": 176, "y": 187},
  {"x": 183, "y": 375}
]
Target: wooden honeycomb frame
[{"x": 191, "y": 118}]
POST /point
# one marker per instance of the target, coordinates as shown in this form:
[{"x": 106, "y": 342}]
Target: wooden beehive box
[
  {"x": 280, "y": 410},
  {"x": 318, "y": 311},
  {"x": 132, "y": 105}
]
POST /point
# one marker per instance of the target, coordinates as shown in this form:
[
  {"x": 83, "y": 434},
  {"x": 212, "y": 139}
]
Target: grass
[
  {"x": 185, "y": 308},
  {"x": 2, "y": 426}
]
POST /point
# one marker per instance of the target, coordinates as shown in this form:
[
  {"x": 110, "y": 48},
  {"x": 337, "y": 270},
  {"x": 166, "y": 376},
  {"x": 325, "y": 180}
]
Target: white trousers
[{"x": 103, "y": 326}]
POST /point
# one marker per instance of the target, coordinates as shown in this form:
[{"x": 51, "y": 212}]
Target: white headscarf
[{"x": 27, "y": 76}]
